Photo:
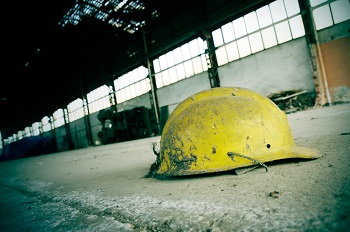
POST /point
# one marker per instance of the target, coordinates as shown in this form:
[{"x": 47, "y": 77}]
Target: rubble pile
[{"x": 293, "y": 100}]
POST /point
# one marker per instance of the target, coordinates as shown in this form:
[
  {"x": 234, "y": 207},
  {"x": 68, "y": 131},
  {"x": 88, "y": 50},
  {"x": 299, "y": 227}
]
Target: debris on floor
[
  {"x": 274, "y": 194},
  {"x": 341, "y": 94},
  {"x": 293, "y": 100},
  {"x": 155, "y": 165}
]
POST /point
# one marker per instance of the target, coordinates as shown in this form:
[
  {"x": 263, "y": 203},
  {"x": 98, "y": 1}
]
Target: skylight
[{"x": 129, "y": 15}]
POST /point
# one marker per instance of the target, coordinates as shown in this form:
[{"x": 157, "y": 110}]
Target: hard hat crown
[{"x": 206, "y": 130}]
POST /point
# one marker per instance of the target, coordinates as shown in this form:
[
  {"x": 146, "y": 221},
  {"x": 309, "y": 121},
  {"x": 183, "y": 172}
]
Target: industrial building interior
[{"x": 89, "y": 87}]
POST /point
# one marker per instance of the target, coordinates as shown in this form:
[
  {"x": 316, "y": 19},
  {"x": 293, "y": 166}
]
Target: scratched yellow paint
[{"x": 206, "y": 126}]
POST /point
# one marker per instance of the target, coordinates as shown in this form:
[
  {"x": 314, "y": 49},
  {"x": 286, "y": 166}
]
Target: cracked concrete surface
[{"x": 103, "y": 188}]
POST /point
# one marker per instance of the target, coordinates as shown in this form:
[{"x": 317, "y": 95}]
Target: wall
[
  {"x": 280, "y": 68},
  {"x": 173, "y": 94},
  {"x": 335, "y": 50},
  {"x": 336, "y": 58},
  {"x": 78, "y": 134},
  {"x": 61, "y": 138}
]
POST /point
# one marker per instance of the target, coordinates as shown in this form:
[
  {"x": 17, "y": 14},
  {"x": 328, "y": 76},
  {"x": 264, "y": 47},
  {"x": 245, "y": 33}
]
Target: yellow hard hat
[{"x": 225, "y": 128}]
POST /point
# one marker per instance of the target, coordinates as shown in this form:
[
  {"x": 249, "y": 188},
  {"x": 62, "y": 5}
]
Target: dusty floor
[{"x": 104, "y": 189}]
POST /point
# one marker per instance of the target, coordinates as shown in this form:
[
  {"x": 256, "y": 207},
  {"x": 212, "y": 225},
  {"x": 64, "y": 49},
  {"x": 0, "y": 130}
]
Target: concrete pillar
[{"x": 320, "y": 78}]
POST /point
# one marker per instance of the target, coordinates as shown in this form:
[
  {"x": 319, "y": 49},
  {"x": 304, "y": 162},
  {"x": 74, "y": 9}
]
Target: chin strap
[{"x": 233, "y": 154}]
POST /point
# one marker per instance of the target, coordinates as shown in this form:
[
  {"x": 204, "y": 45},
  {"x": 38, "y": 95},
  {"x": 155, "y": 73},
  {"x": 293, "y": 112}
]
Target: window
[
  {"x": 322, "y": 17},
  {"x": 251, "y": 21},
  {"x": 36, "y": 128},
  {"x": 136, "y": 82},
  {"x": 269, "y": 37},
  {"x": 227, "y": 33},
  {"x": 46, "y": 124},
  {"x": 340, "y": 11},
  {"x": 264, "y": 16},
  {"x": 182, "y": 62},
  {"x": 273, "y": 24},
  {"x": 58, "y": 117},
  {"x": 297, "y": 27},
  {"x": 98, "y": 99},
  {"x": 75, "y": 109},
  {"x": 278, "y": 11},
  {"x": 326, "y": 14},
  {"x": 239, "y": 27}
]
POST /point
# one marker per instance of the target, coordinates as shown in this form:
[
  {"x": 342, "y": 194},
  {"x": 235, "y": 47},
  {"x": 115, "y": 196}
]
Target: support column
[
  {"x": 153, "y": 94},
  {"x": 112, "y": 97},
  {"x": 86, "y": 115},
  {"x": 41, "y": 131},
  {"x": 68, "y": 132},
  {"x": 52, "y": 126},
  {"x": 31, "y": 133},
  {"x": 319, "y": 74},
  {"x": 211, "y": 60},
  {"x": 3, "y": 134}
]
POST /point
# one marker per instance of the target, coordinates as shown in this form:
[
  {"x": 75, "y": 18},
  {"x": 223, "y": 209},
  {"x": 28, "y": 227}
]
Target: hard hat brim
[
  {"x": 305, "y": 153},
  {"x": 295, "y": 152}
]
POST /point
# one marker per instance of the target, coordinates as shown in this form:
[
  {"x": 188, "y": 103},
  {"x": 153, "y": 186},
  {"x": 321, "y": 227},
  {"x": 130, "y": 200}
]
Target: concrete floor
[{"x": 103, "y": 188}]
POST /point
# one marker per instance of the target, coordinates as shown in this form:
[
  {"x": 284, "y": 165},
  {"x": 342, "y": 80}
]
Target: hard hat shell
[{"x": 206, "y": 127}]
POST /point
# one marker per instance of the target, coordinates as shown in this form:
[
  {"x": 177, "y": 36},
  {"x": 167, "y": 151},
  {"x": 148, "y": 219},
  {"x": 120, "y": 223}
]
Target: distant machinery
[{"x": 131, "y": 124}]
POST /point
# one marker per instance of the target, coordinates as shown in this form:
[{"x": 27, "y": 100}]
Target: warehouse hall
[{"x": 120, "y": 115}]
